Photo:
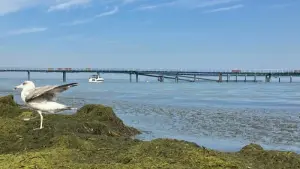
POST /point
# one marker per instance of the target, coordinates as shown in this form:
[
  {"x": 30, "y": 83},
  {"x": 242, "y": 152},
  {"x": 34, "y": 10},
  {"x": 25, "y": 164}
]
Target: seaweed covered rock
[
  {"x": 251, "y": 148},
  {"x": 92, "y": 114},
  {"x": 8, "y": 107},
  {"x": 8, "y": 100},
  {"x": 171, "y": 153},
  {"x": 259, "y": 158},
  {"x": 17, "y": 134}
]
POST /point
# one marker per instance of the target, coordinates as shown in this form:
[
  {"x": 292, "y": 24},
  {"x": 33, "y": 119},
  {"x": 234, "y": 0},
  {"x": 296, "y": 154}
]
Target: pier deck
[{"x": 177, "y": 75}]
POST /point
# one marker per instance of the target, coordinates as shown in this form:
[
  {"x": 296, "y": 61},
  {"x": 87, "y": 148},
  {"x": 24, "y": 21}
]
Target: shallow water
[{"x": 223, "y": 116}]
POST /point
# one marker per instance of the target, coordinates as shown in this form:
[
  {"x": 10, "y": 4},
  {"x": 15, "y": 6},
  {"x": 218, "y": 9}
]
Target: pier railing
[{"x": 12, "y": 69}]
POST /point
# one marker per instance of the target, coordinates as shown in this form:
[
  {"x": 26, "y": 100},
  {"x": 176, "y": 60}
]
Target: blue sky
[{"x": 190, "y": 34}]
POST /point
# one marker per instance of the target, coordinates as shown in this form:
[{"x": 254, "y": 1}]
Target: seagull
[{"x": 43, "y": 99}]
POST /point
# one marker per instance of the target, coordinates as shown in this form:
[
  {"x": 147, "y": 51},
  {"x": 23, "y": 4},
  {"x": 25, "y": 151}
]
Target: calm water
[{"x": 223, "y": 116}]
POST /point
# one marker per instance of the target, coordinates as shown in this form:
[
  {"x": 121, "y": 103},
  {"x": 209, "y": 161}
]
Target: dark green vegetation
[{"x": 95, "y": 137}]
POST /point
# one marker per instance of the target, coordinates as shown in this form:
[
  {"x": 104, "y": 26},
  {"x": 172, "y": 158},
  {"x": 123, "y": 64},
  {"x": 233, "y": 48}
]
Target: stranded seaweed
[{"x": 95, "y": 137}]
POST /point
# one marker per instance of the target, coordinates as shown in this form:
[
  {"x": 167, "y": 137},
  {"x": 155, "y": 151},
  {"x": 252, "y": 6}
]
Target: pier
[{"x": 176, "y": 75}]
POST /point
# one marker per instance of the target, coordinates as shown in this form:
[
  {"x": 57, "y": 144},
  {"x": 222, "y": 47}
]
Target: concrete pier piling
[
  {"x": 130, "y": 77},
  {"x": 268, "y": 78},
  {"x": 220, "y": 77},
  {"x": 64, "y": 76},
  {"x": 28, "y": 75}
]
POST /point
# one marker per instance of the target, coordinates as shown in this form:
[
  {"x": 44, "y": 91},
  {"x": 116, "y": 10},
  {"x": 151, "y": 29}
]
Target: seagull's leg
[
  {"x": 41, "y": 124},
  {"x": 42, "y": 118}
]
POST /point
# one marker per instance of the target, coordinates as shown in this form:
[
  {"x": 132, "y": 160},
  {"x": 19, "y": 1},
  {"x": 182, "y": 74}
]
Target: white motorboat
[{"x": 96, "y": 79}]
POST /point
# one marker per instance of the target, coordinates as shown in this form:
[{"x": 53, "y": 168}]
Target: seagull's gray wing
[
  {"x": 39, "y": 91},
  {"x": 48, "y": 92}
]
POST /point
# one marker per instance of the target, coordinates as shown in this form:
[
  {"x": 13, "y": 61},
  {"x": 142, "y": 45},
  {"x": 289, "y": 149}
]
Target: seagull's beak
[{"x": 17, "y": 87}]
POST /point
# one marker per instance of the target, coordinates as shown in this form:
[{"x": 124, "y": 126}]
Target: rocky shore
[{"x": 94, "y": 137}]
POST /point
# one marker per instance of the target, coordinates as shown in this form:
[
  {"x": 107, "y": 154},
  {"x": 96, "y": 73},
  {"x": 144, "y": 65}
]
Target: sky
[{"x": 150, "y": 34}]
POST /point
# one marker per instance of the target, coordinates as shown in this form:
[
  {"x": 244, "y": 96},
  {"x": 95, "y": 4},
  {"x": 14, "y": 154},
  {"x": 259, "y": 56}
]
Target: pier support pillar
[
  {"x": 161, "y": 78},
  {"x": 227, "y": 78},
  {"x": 279, "y": 79},
  {"x": 130, "y": 77},
  {"x": 28, "y": 75},
  {"x": 245, "y": 78},
  {"x": 220, "y": 77},
  {"x": 195, "y": 78},
  {"x": 255, "y": 78},
  {"x": 291, "y": 79},
  {"x": 268, "y": 78},
  {"x": 236, "y": 78},
  {"x": 137, "y": 77},
  {"x": 176, "y": 78},
  {"x": 64, "y": 76}
]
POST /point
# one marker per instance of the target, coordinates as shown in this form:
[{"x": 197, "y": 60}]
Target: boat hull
[{"x": 96, "y": 80}]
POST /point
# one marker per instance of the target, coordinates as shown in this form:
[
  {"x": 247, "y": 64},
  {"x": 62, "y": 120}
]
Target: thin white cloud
[
  {"x": 65, "y": 5},
  {"x": 10, "y": 6},
  {"x": 87, "y": 20},
  {"x": 27, "y": 30},
  {"x": 78, "y": 22},
  {"x": 149, "y": 7},
  {"x": 191, "y": 4},
  {"x": 229, "y": 8},
  {"x": 210, "y": 3},
  {"x": 112, "y": 12}
]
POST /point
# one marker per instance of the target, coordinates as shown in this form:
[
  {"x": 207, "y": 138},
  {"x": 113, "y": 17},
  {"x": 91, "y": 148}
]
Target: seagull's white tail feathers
[
  {"x": 74, "y": 108},
  {"x": 71, "y": 108}
]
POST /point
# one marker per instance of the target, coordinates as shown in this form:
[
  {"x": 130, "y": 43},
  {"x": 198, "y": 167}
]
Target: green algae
[
  {"x": 8, "y": 100},
  {"x": 260, "y": 159},
  {"x": 95, "y": 137}
]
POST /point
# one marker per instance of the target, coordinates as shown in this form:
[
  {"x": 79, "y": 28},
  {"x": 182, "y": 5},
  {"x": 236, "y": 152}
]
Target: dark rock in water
[{"x": 95, "y": 137}]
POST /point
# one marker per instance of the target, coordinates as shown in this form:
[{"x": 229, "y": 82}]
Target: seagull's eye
[{"x": 24, "y": 83}]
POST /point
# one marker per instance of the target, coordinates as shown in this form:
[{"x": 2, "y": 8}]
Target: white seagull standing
[{"x": 43, "y": 98}]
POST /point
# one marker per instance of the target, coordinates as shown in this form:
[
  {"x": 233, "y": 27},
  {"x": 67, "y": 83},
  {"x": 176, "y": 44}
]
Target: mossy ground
[{"x": 95, "y": 137}]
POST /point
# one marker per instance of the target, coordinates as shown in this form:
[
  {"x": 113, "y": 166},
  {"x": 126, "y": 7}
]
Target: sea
[{"x": 220, "y": 116}]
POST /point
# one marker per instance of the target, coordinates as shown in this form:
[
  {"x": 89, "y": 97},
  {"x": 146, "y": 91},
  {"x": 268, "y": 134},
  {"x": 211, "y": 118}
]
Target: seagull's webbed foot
[{"x": 38, "y": 128}]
